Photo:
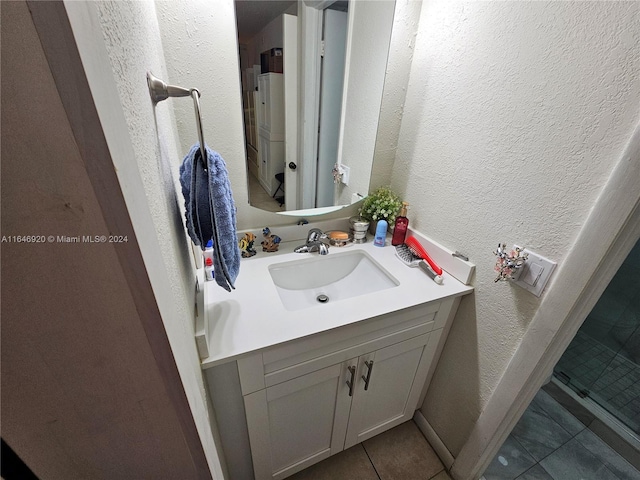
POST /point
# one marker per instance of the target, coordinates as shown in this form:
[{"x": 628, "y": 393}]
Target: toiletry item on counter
[
  {"x": 338, "y": 235},
  {"x": 208, "y": 251},
  {"x": 407, "y": 257},
  {"x": 208, "y": 269},
  {"x": 358, "y": 229},
  {"x": 381, "y": 233},
  {"x": 419, "y": 250},
  {"x": 339, "y": 238},
  {"x": 402, "y": 223}
]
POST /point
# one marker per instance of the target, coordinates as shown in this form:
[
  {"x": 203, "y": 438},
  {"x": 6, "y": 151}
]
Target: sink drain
[{"x": 322, "y": 298}]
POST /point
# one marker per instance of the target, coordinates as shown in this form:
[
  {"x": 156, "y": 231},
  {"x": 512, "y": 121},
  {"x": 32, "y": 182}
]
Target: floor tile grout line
[
  {"x": 378, "y": 474},
  {"x": 606, "y": 464},
  {"x": 371, "y": 461},
  {"x": 602, "y": 462},
  {"x": 606, "y": 467},
  {"x": 554, "y": 450},
  {"x": 439, "y": 472},
  {"x": 548, "y": 415},
  {"x": 573, "y": 437},
  {"x": 531, "y": 455},
  {"x": 587, "y": 428},
  {"x": 537, "y": 464}
]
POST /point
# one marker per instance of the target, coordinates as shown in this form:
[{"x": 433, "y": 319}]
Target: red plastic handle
[{"x": 419, "y": 250}]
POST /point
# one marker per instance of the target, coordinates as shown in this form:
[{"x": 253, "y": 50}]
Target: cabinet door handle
[
  {"x": 352, "y": 370},
  {"x": 366, "y": 379}
]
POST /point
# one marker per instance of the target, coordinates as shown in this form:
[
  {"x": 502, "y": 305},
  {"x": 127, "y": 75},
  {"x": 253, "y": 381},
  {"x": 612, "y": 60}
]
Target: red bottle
[{"x": 402, "y": 223}]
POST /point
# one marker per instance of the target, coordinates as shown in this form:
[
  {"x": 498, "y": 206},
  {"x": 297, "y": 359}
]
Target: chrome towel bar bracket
[{"x": 159, "y": 91}]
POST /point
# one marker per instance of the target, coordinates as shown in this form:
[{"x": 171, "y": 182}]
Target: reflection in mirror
[{"x": 311, "y": 76}]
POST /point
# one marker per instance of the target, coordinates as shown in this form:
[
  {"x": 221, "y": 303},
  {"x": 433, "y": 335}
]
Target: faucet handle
[{"x": 315, "y": 235}]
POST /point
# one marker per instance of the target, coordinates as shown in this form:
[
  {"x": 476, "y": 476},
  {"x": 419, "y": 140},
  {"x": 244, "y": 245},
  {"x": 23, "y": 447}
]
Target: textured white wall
[
  {"x": 406, "y": 19},
  {"x": 271, "y": 36},
  {"x": 132, "y": 39},
  {"x": 515, "y": 114}
]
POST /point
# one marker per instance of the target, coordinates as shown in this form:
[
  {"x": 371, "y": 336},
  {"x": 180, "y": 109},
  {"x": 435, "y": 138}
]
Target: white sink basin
[{"x": 310, "y": 282}]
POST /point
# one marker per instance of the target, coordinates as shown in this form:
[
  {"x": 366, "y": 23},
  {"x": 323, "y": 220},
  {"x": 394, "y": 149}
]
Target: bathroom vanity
[{"x": 293, "y": 383}]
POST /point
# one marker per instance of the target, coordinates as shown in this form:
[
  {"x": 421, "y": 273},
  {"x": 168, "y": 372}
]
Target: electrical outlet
[{"x": 535, "y": 273}]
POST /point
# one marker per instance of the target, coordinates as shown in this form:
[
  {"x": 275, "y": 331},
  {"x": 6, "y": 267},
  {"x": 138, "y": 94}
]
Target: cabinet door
[
  {"x": 299, "y": 422},
  {"x": 264, "y": 113},
  {"x": 395, "y": 379},
  {"x": 264, "y": 153}
]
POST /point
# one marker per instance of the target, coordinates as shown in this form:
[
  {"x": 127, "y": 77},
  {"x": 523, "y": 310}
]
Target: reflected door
[
  {"x": 290, "y": 69},
  {"x": 331, "y": 86}
]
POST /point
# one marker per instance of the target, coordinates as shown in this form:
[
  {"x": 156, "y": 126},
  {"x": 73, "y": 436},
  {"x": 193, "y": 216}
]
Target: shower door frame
[{"x": 585, "y": 388}]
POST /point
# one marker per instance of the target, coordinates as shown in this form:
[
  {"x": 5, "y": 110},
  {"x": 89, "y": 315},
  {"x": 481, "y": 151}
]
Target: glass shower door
[{"x": 603, "y": 360}]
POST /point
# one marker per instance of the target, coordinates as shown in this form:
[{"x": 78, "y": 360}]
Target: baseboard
[{"x": 434, "y": 440}]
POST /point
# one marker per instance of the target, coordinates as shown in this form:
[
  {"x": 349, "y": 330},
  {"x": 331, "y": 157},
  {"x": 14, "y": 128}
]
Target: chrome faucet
[{"x": 314, "y": 243}]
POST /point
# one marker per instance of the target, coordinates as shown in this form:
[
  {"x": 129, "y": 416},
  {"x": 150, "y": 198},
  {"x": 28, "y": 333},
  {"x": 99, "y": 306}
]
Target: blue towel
[{"x": 211, "y": 212}]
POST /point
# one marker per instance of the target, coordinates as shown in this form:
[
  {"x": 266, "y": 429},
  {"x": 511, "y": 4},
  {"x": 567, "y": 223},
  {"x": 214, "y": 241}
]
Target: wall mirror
[{"x": 312, "y": 75}]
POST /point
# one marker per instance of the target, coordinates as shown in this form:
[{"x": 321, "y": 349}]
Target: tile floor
[
  {"x": 401, "y": 453},
  {"x": 260, "y": 198},
  {"x": 612, "y": 379},
  {"x": 549, "y": 443}
]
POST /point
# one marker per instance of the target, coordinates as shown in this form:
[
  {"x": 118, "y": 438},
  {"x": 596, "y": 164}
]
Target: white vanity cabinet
[
  {"x": 299, "y": 422},
  {"x": 311, "y": 398},
  {"x": 394, "y": 386}
]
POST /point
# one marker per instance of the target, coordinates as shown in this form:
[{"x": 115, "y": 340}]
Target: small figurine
[
  {"x": 246, "y": 245},
  {"x": 270, "y": 242}
]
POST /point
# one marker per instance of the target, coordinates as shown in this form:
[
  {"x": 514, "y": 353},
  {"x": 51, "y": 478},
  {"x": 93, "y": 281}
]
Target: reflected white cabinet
[
  {"x": 271, "y": 105},
  {"x": 249, "y": 100},
  {"x": 270, "y": 162},
  {"x": 306, "y": 400},
  {"x": 270, "y": 119}
]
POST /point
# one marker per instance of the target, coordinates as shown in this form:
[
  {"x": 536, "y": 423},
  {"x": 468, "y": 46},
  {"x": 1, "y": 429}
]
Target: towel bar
[{"x": 160, "y": 91}]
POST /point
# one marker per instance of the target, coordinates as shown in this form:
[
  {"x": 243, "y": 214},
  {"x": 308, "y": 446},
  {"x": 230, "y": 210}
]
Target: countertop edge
[{"x": 211, "y": 361}]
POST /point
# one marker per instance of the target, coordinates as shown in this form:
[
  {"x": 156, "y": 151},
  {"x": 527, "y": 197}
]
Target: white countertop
[{"x": 252, "y": 316}]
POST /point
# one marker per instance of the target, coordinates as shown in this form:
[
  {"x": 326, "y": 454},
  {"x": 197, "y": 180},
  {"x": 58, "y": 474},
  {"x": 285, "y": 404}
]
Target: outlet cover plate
[
  {"x": 536, "y": 272},
  {"x": 345, "y": 171}
]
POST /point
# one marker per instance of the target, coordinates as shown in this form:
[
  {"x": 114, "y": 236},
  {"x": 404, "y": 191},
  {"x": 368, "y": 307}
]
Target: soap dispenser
[{"x": 402, "y": 223}]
